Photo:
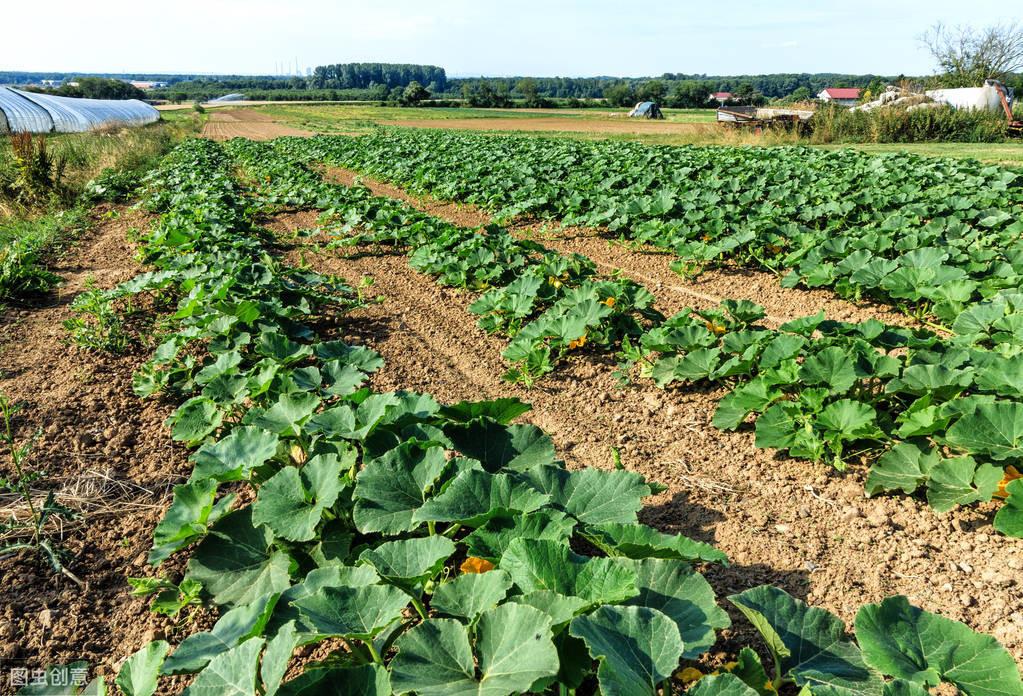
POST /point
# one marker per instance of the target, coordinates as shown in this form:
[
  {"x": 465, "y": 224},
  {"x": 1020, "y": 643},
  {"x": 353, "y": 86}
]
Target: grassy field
[
  {"x": 45, "y": 205},
  {"x": 681, "y": 127}
]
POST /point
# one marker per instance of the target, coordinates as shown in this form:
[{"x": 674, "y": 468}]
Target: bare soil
[
  {"x": 560, "y": 124},
  {"x": 106, "y": 453},
  {"x": 803, "y": 526},
  {"x": 247, "y": 123}
]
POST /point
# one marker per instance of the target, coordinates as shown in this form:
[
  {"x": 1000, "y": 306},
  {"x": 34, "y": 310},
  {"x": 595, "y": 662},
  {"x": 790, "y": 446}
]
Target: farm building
[
  {"x": 720, "y": 97},
  {"x": 44, "y": 113},
  {"x": 843, "y": 96}
]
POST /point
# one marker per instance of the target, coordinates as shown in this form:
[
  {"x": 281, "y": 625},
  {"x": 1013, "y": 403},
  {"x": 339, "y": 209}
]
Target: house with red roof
[
  {"x": 720, "y": 97},
  {"x": 843, "y": 96}
]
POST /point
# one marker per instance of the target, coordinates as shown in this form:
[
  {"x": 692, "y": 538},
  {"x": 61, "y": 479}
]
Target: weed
[{"x": 29, "y": 534}]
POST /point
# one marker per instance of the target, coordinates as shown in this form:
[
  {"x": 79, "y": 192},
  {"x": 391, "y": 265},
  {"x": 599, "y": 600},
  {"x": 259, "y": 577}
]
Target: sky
[{"x": 483, "y": 37}]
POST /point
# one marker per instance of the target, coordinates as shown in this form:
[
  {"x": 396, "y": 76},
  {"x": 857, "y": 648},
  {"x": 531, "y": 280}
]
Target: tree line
[{"x": 364, "y": 75}]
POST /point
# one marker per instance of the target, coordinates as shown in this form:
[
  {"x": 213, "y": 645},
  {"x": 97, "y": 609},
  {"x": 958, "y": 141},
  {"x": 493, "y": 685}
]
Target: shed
[
  {"x": 843, "y": 96},
  {"x": 646, "y": 110},
  {"x": 45, "y": 113}
]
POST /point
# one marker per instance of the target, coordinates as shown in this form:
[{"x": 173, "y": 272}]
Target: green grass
[{"x": 38, "y": 219}]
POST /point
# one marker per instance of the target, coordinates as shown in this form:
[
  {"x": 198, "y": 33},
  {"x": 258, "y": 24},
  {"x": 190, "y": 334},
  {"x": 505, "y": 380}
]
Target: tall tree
[{"x": 968, "y": 56}]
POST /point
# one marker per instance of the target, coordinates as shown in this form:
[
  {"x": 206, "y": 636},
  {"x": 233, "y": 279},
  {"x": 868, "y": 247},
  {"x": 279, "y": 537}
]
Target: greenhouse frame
[{"x": 28, "y": 112}]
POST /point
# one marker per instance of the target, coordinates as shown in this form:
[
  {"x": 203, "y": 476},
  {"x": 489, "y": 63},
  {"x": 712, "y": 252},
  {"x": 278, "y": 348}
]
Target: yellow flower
[
  {"x": 554, "y": 282},
  {"x": 476, "y": 565},
  {"x": 689, "y": 675},
  {"x": 1011, "y": 474},
  {"x": 773, "y": 248},
  {"x": 577, "y": 343},
  {"x": 715, "y": 328},
  {"x": 610, "y": 302}
]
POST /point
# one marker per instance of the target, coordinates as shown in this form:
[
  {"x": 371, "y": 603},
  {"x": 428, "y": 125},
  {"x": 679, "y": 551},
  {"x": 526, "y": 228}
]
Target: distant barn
[
  {"x": 28, "y": 112},
  {"x": 843, "y": 96}
]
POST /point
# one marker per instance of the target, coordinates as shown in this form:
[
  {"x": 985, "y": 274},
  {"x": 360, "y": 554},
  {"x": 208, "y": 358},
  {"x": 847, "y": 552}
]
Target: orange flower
[
  {"x": 610, "y": 302},
  {"x": 476, "y": 565},
  {"x": 1011, "y": 474},
  {"x": 577, "y": 343},
  {"x": 715, "y": 328}
]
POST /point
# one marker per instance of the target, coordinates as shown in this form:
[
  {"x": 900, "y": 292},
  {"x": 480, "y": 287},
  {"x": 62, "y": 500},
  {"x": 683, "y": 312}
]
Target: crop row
[
  {"x": 434, "y": 547},
  {"x": 940, "y": 416},
  {"x": 546, "y": 303},
  {"x": 928, "y": 235}
]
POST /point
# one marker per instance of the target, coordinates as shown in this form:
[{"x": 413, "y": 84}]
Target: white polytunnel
[{"x": 45, "y": 113}]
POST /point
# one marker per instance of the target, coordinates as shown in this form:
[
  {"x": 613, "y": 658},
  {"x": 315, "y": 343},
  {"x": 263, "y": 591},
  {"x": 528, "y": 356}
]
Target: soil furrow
[
  {"x": 651, "y": 267},
  {"x": 801, "y": 525},
  {"x": 107, "y": 454}
]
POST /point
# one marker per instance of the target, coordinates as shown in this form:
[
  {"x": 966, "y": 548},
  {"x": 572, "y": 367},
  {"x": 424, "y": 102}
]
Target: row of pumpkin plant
[
  {"x": 929, "y": 235},
  {"x": 936, "y": 415},
  {"x": 431, "y": 549}
]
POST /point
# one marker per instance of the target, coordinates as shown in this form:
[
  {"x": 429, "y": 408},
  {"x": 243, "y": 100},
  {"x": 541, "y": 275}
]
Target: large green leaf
[
  {"x": 809, "y": 643},
  {"x": 994, "y": 430},
  {"x": 330, "y": 576},
  {"x": 592, "y": 496},
  {"x": 904, "y": 467},
  {"x": 287, "y": 415},
  {"x": 410, "y": 560},
  {"x": 536, "y": 564},
  {"x": 188, "y": 518},
  {"x": 277, "y": 658},
  {"x": 903, "y": 641},
  {"x": 292, "y": 501},
  {"x": 352, "y": 612},
  {"x": 232, "y": 458},
  {"x": 721, "y": 685},
  {"x": 391, "y": 488},
  {"x": 561, "y": 608},
  {"x": 637, "y": 647},
  {"x": 195, "y": 419},
  {"x": 513, "y": 650},
  {"x": 961, "y": 481},
  {"x": 237, "y": 562},
  {"x": 684, "y": 596},
  {"x": 639, "y": 541},
  {"x": 232, "y": 673},
  {"x": 476, "y": 496},
  {"x": 491, "y": 540},
  {"x": 832, "y": 367},
  {"x": 497, "y": 446},
  {"x": 468, "y": 596},
  {"x": 364, "y": 680},
  {"x": 503, "y": 411},
  {"x": 234, "y": 627},
  {"x": 140, "y": 673},
  {"x": 1009, "y": 518}
]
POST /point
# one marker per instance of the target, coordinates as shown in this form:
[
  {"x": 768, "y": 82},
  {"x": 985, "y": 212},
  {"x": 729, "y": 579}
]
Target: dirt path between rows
[
  {"x": 650, "y": 267},
  {"x": 805, "y": 527},
  {"x": 563, "y": 124},
  {"x": 246, "y": 123},
  {"x": 104, "y": 450}
]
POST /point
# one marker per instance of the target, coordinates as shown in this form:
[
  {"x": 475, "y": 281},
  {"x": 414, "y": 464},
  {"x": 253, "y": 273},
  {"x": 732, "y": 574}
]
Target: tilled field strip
[
  {"x": 800, "y": 525},
  {"x": 652, "y": 268},
  {"x": 108, "y": 455},
  {"x": 246, "y": 123}
]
